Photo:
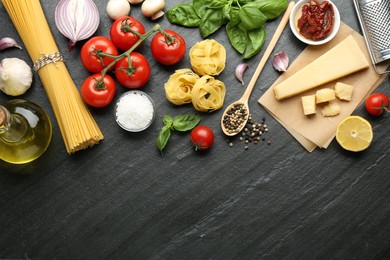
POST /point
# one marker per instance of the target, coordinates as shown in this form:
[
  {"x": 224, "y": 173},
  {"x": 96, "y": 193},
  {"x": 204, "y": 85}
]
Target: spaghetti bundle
[{"x": 78, "y": 128}]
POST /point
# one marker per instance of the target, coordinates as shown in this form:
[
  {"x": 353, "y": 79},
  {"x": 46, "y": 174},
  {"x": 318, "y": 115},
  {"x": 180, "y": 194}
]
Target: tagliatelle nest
[
  {"x": 208, "y": 57},
  {"x": 208, "y": 94},
  {"x": 179, "y": 86}
]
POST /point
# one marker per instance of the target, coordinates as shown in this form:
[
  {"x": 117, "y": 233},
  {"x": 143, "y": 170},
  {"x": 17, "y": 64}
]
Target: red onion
[{"x": 76, "y": 19}]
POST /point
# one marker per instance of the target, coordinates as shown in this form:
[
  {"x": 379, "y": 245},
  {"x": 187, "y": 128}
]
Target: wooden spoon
[{"x": 240, "y": 107}]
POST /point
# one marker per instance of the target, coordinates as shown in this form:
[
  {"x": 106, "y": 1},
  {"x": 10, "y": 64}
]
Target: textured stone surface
[{"x": 122, "y": 200}]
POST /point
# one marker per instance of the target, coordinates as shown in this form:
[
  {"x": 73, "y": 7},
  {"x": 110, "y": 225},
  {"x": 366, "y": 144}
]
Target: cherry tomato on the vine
[
  {"x": 97, "y": 92},
  {"x": 89, "y": 53},
  {"x": 121, "y": 34},
  {"x": 135, "y": 76},
  {"x": 168, "y": 48},
  {"x": 202, "y": 137},
  {"x": 377, "y": 103}
]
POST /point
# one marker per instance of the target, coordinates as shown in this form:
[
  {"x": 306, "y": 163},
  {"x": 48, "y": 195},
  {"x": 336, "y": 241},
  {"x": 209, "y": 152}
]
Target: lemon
[{"x": 354, "y": 133}]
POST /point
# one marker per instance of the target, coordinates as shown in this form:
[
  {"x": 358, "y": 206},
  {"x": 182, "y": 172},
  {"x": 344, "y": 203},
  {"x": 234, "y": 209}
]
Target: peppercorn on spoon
[{"x": 236, "y": 114}]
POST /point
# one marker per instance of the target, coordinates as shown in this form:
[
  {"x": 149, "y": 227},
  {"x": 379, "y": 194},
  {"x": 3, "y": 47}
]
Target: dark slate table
[{"x": 122, "y": 200}]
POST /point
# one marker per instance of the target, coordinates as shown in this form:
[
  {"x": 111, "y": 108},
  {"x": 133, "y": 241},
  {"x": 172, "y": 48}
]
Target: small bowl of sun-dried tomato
[{"x": 315, "y": 22}]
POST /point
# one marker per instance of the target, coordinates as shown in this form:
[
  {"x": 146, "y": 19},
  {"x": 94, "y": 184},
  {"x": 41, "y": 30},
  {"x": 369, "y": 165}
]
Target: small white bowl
[
  {"x": 134, "y": 111},
  {"x": 293, "y": 23}
]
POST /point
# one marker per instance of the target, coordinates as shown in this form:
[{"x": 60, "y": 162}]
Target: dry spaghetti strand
[{"x": 78, "y": 128}]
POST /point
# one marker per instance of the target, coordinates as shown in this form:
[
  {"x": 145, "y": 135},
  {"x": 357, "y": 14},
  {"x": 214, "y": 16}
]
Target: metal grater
[{"x": 374, "y": 19}]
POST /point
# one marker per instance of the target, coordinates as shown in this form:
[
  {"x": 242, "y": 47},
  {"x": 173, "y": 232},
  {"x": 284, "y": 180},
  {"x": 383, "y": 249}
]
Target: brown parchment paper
[{"x": 315, "y": 130}]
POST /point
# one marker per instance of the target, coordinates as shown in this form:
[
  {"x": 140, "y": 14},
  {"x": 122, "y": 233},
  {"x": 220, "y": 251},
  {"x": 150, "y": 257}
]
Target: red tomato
[
  {"x": 202, "y": 137},
  {"x": 91, "y": 50},
  {"x": 134, "y": 76},
  {"x": 121, "y": 34},
  {"x": 377, "y": 103},
  {"x": 168, "y": 49},
  {"x": 97, "y": 92}
]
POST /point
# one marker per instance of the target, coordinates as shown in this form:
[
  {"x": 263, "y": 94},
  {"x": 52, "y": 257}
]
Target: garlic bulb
[{"x": 15, "y": 76}]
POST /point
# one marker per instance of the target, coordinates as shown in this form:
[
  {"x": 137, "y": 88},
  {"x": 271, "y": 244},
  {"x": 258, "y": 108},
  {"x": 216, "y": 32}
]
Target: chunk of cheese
[
  {"x": 331, "y": 109},
  {"x": 325, "y": 95},
  {"x": 309, "y": 104},
  {"x": 343, "y": 91},
  {"x": 343, "y": 59}
]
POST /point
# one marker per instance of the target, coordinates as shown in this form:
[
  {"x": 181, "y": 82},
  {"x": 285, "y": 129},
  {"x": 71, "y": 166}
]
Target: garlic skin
[
  {"x": 117, "y": 8},
  {"x": 15, "y": 76},
  {"x": 280, "y": 61}
]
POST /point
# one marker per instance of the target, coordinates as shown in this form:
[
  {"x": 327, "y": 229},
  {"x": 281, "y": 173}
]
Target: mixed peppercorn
[{"x": 253, "y": 132}]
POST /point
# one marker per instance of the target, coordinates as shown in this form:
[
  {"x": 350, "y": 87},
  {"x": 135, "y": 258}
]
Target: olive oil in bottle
[{"x": 25, "y": 131}]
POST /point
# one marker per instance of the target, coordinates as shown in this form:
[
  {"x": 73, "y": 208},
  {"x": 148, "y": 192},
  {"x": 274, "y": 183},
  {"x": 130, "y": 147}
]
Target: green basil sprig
[
  {"x": 180, "y": 123},
  {"x": 244, "y": 20}
]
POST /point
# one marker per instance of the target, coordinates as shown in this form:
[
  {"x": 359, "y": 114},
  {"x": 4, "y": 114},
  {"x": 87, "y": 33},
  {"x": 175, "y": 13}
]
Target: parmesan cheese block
[
  {"x": 325, "y": 95},
  {"x": 343, "y": 59},
  {"x": 343, "y": 91},
  {"x": 331, "y": 109},
  {"x": 309, "y": 104}
]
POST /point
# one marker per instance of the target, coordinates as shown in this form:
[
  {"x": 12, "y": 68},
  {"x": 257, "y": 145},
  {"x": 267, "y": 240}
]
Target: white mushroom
[
  {"x": 153, "y": 8},
  {"x": 117, "y": 8},
  {"x": 134, "y": 2}
]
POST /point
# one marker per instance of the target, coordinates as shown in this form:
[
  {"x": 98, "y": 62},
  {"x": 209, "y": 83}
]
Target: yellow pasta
[
  {"x": 208, "y": 94},
  {"x": 178, "y": 88},
  {"x": 208, "y": 57},
  {"x": 78, "y": 128}
]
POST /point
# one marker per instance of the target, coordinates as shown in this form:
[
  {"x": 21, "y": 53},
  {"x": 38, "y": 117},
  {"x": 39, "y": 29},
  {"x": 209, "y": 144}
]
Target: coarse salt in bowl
[
  {"x": 134, "y": 111},
  {"x": 296, "y": 14}
]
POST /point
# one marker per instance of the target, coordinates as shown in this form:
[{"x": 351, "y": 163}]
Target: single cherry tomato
[
  {"x": 98, "y": 92},
  {"x": 134, "y": 76},
  {"x": 168, "y": 47},
  {"x": 377, "y": 103},
  {"x": 91, "y": 53},
  {"x": 122, "y": 32},
  {"x": 202, "y": 137}
]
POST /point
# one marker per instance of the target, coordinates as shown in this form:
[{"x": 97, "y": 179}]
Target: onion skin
[{"x": 76, "y": 19}]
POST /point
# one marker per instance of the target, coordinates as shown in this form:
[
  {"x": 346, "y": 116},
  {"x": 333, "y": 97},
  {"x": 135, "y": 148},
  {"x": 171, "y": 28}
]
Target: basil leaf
[
  {"x": 163, "y": 138},
  {"x": 185, "y": 122},
  {"x": 168, "y": 120},
  {"x": 237, "y": 37},
  {"x": 183, "y": 14},
  {"x": 216, "y": 4},
  {"x": 200, "y": 7},
  {"x": 211, "y": 22},
  {"x": 251, "y": 17},
  {"x": 256, "y": 39},
  {"x": 271, "y": 8},
  {"x": 234, "y": 16}
]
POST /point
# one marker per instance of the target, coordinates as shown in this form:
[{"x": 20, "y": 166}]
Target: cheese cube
[
  {"x": 325, "y": 95},
  {"x": 309, "y": 104},
  {"x": 343, "y": 91},
  {"x": 331, "y": 109},
  {"x": 343, "y": 59}
]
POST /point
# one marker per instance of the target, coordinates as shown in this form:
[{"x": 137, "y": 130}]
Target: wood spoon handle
[{"x": 268, "y": 51}]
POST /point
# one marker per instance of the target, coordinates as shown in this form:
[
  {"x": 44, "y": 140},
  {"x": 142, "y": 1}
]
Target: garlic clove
[
  {"x": 15, "y": 76},
  {"x": 280, "y": 61},
  {"x": 240, "y": 69},
  {"x": 8, "y": 43}
]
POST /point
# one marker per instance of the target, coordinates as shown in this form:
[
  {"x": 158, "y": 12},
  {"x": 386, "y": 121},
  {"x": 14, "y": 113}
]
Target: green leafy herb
[
  {"x": 180, "y": 123},
  {"x": 244, "y": 20}
]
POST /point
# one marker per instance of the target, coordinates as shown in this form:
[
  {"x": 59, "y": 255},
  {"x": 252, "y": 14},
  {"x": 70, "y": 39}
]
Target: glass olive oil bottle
[{"x": 25, "y": 131}]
